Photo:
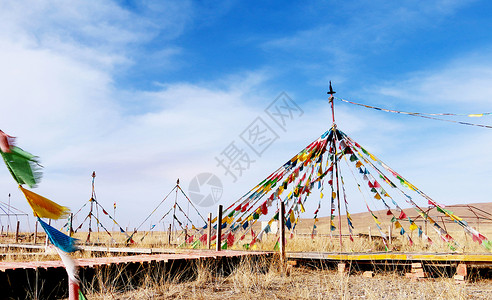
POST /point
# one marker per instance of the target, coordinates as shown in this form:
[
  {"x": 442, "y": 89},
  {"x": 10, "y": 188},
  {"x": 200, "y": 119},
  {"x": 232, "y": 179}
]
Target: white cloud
[{"x": 461, "y": 82}]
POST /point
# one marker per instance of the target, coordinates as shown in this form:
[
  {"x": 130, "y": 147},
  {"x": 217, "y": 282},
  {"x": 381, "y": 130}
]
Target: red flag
[
  {"x": 6, "y": 141},
  {"x": 402, "y": 215},
  {"x": 190, "y": 239},
  {"x": 230, "y": 240},
  {"x": 203, "y": 238},
  {"x": 264, "y": 209}
]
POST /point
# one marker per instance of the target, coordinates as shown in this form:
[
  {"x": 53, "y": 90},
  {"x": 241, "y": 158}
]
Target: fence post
[
  {"x": 281, "y": 218},
  {"x": 17, "y": 232},
  {"x": 36, "y": 232},
  {"x": 209, "y": 230},
  {"x": 370, "y": 236},
  {"x": 169, "y": 235},
  {"x": 219, "y": 228}
]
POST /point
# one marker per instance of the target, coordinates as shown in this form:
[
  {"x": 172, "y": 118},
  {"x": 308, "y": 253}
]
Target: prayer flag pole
[{"x": 330, "y": 99}]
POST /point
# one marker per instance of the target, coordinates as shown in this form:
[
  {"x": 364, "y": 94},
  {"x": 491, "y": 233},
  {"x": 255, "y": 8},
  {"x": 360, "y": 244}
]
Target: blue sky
[{"x": 145, "y": 92}]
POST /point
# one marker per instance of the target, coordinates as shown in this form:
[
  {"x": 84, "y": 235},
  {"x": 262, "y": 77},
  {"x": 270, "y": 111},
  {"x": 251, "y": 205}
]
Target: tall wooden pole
[
  {"x": 209, "y": 230},
  {"x": 219, "y": 229},
  {"x": 281, "y": 217}
]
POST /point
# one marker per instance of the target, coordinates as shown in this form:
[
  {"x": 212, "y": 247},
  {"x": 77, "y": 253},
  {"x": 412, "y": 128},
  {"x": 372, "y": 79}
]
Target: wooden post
[
  {"x": 8, "y": 227},
  {"x": 209, "y": 230},
  {"x": 169, "y": 235},
  {"x": 186, "y": 234},
  {"x": 370, "y": 236},
  {"x": 2, "y": 231},
  {"x": 219, "y": 228},
  {"x": 36, "y": 233},
  {"x": 281, "y": 217},
  {"x": 71, "y": 224},
  {"x": 36, "y": 293},
  {"x": 73, "y": 290},
  {"x": 47, "y": 241},
  {"x": 390, "y": 232},
  {"x": 17, "y": 232}
]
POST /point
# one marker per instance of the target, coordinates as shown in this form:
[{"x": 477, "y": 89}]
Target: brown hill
[{"x": 478, "y": 215}]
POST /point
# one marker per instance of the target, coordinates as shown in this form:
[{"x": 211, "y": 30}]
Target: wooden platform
[{"x": 398, "y": 256}]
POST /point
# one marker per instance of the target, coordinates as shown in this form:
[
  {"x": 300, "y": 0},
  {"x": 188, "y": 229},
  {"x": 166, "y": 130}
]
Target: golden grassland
[{"x": 264, "y": 280}]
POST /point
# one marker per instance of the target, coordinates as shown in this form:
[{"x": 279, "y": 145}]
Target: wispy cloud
[{"x": 463, "y": 81}]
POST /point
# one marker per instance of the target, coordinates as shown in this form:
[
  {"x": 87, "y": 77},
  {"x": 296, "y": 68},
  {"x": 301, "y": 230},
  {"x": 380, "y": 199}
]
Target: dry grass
[{"x": 263, "y": 280}]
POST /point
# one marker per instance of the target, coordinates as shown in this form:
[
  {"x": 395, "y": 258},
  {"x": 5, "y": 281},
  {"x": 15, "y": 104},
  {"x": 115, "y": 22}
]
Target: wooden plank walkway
[
  {"x": 142, "y": 258},
  {"x": 48, "y": 279},
  {"x": 396, "y": 256}
]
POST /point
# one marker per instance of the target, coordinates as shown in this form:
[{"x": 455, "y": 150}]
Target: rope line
[{"x": 427, "y": 115}]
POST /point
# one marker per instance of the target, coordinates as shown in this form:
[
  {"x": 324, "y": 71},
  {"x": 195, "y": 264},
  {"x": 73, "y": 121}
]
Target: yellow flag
[
  {"x": 455, "y": 217},
  {"x": 292, "y": 217},
  {"x": 397, "y": 224},
  {"x": 475, "y": 115},
  {"x": 377, "y": 196},
  {"x": 250, "y": 218},
  {"x": 413, "y": 226},
  {"x": 321, "y": 195},
  {"x": 302, "y": 208},
  {"x": 372, "y": 157},
  {"x": 333, "y": 195},
  {"x": 43, "y": 207},
  {"x": 358, "y": 164}
]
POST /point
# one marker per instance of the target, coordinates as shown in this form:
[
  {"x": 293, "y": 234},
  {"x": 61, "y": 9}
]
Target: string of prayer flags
[
  {"x": 23, "y": 166},
  {"x": 43, "y": 207},
  {"x": 58, "y": 238}
]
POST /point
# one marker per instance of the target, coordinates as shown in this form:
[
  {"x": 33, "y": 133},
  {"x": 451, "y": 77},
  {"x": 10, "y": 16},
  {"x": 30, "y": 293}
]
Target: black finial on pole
[
  {"x": 330, "y": 99},
  {"x": 177, "y": 181},
  {"x": 331, "y": 92}
]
